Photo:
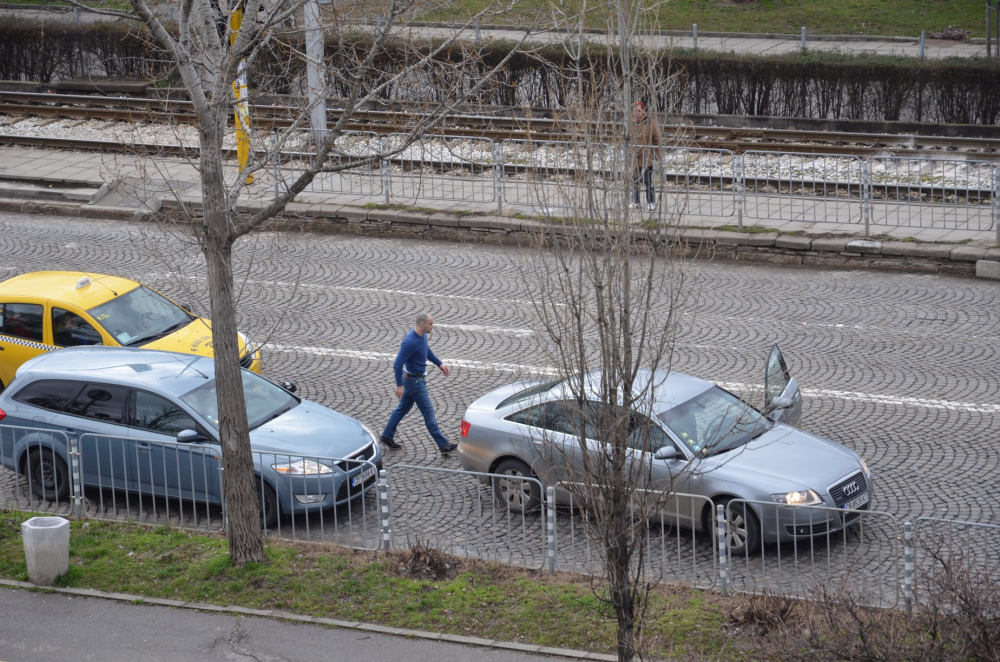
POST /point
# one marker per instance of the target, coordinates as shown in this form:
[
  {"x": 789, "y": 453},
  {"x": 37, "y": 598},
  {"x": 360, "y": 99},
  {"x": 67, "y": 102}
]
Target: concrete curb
[
  {"x": 769, "y": 247},
  {"x": 286, "y": 616}
]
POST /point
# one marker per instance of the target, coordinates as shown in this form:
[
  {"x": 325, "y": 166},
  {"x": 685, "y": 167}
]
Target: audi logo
[{"x": 852, "y": 488}]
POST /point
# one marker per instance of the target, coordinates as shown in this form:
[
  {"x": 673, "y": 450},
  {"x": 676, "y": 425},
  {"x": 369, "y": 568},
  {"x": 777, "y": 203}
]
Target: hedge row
[{"x": 813, "y": 84}]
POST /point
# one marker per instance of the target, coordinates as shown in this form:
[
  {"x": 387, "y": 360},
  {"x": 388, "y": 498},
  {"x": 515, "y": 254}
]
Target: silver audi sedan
[{"x": 702, "y": 440}]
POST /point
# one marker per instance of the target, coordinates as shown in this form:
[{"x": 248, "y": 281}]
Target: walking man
[{"x": 410, "y": 368}]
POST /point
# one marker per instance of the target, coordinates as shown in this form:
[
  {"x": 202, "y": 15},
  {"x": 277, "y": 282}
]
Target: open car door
[{"x": 782, "y": 399}]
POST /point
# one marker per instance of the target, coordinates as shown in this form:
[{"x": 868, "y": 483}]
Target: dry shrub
[
  {"x": 761, "y": 613},
  {"x": 951, "y": 33},
  {"x": 422, "y": 561},
  {"x": 955, "y": 619}
]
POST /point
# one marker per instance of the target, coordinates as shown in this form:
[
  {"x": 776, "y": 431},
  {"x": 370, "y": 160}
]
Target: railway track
[{"x": 738, "y": 140}]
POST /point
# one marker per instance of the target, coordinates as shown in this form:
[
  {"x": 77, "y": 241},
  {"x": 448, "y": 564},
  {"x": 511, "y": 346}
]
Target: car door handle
[{"x": 142, "y": 446}]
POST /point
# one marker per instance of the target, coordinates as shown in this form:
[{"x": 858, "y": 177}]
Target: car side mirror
[
  {"x": 188, "y": 437},
  {"x": 289, "y": 386},
  {"x": 666, "y": 453},
  {"x": 781, "y": 402}
]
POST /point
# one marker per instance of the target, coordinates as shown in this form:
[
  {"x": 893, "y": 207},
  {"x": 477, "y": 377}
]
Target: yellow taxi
[{"x": 47, "y": 310}]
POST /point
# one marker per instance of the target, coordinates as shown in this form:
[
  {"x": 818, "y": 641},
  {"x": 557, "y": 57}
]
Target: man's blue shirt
[{"x": 414, "y": 353}]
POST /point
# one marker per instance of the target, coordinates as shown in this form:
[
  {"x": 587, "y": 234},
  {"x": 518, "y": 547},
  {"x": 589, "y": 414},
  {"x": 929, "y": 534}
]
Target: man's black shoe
[
  {"x": 448, "y": 448},
  {"x": 391, "y": 443}
]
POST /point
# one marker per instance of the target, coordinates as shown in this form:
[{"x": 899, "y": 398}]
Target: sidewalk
[{"x": 77, "y": 624}]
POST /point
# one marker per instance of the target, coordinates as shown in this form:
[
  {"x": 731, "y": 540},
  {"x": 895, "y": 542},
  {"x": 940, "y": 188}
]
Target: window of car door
[
  {"x": 550, "y": 416},
  {"x": 51, "y": 394},
  {"x": 71, "y": 330},
  {"x": 156, "y": 414},
  {"x": 101, "y": 402},
  {"x": 22, "y": 320}
]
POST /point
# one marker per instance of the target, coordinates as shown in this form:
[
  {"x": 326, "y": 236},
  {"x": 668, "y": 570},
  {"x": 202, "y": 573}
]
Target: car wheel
[
  {"x": 742, "y": 528},
  {"x": 48, "y": 475},
  {"x": 519, "y": 495},
  {"x": 268, "y": 505}
]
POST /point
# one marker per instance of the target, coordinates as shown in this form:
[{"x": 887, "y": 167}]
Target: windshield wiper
[
  {"x": 158, "y": 335},
  {"x": 274, "y": 416}
]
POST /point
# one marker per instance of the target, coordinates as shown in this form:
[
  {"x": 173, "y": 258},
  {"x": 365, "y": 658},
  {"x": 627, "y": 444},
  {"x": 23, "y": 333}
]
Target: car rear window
[
  {"x": 527, "y": 393},
  {"x": 51, "y": 394}
]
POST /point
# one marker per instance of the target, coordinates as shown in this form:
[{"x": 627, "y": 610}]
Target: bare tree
[{"x": 208, "y": 55}]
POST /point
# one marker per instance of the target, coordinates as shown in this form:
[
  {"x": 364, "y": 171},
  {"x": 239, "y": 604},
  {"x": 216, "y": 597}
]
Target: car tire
[
  {"x": 742, "y": 528},
  {"x": 268, "y": 505},
  {"x": 48, "y": 475},
  {"x": 519, "y": 496}
]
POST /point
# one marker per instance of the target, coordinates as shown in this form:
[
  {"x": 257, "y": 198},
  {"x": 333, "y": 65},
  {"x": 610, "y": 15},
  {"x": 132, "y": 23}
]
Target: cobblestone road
[{"x": 902, "y": 368}]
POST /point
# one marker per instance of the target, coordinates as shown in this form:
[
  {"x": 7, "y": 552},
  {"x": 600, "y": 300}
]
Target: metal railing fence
[
  {"x": 460, "y": 513},
  {"x": 590, "y": 179},
  {"x": 673, "y": 551},
  {"x": 806, "y": 550}
]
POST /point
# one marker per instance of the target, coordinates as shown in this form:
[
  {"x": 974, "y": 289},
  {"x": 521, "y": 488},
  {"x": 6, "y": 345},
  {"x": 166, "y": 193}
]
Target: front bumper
[{"x": 780, "y": 523}]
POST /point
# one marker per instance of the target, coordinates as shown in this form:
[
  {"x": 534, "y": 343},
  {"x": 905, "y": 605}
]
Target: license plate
[
  {"x": 370, "y": 471},
  {"x": 854, "y": 504}
]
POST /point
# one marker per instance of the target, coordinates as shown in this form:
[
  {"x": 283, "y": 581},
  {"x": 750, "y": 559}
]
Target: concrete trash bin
[{"x": 46, "y": 548}]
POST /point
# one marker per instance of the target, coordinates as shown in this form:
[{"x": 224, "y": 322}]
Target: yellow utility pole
[{"x": 242, "y": 112}]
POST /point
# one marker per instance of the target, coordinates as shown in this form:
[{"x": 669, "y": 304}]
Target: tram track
[{"x": 492, "y": 127}]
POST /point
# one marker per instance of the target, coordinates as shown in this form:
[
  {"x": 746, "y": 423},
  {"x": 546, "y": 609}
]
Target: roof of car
[
  {"x": 167, "y": 372},
  {"x": 62, "y": 286},
  {"x": 670, "y": 388}
]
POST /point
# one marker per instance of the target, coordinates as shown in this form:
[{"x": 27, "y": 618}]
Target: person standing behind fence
[
  {"x": 647, "y": 142},
  {"x": 410, "y": 368}
]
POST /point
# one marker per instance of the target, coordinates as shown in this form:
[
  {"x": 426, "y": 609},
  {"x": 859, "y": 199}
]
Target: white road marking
[
  {"x": 855, "y": 396},
  {"x": 477, "y": 328},
  {"x": 383, "y": 356}
]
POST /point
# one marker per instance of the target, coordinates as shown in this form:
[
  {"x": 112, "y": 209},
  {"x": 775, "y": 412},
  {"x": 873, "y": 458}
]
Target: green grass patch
[
  {"x": 868, "y": 17},
  {"x": 472, "y": 599}
]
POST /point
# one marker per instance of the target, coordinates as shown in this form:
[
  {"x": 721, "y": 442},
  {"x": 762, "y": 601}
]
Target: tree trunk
[{"x": 242, "y": 499}]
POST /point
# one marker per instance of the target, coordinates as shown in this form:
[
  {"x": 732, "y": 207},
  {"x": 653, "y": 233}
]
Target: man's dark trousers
[{"x": 415, "y": 392}]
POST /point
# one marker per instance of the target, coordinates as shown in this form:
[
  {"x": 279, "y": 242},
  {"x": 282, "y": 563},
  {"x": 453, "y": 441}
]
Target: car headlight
[
  {"x": 302, "y": 468},
  {"x": 370, "y": 433},
  {"x": 801, "y": 498},
  {"x": 864, "y": 467}
]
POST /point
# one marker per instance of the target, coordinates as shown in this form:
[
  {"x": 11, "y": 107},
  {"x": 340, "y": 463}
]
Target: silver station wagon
[
  {"x": 702, "y": 440},
  {"x": 147, "y": 421}
]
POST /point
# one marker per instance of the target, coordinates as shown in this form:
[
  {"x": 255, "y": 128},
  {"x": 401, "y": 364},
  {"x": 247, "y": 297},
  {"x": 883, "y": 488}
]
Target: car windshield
[
  {"x": 140, "y": 316},
  {"x": 265, "y": 401},
  {"x": 714, "y": 422}
]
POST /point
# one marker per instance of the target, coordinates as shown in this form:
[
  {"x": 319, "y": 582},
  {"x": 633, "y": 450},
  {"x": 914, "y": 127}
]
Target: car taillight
[
  {"x": 465, "y": 428},
  {"x": 3, "y": 415}
]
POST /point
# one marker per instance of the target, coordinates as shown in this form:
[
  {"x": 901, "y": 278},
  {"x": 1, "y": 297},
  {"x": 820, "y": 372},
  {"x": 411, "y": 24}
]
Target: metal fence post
[
  {"x": 803, "y": 37},
  {"x": 996, "y": 203},
  {"x": 383, "y": 498},
  {"x": 498, "y": 178},
  {"x": 738, "y": 186},
  {"x": 384, "y": 173},
  {"x": 694, "y": 32},
  {"x": 866, "y": 197},
  {"x": 720, "y": 518},
  {"x": 923, "y": 37},
  {"x": 75, "y": 476},
  {"x": 908, "y": 565},
  {"x": 550, "y": 526}
]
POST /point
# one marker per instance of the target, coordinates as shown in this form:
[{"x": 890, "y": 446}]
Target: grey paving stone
[
  {"x": 914, "y": 249},
  {"x": 988, "y": 269},
  {"x": 829, "y": 244},
  {"x": 762, "y": 238},
  {"x": 793, "y": 242},
  {"x": 968, "y": 253},
  {"x": 865, "y": 246}
]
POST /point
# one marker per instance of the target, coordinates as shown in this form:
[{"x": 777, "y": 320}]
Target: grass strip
[{"x": 422, "y": 590}]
